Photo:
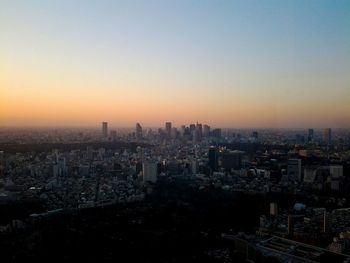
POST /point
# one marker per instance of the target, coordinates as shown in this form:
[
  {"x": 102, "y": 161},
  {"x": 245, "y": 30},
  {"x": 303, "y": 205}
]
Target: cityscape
[
  {"x": 290, "y": 184},
  {"x": 175, "y": 131}
]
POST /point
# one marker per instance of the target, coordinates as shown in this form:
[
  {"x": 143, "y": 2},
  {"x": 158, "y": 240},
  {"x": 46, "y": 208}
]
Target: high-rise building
[
  {"x": 138, "y": 131},
  {"x": 187, "y": 134},
  {"x": 206, "y": 130},
  {"x": 183, "y": 129},
  {"x": 213, "y": 159},
  {"x": 199, "y": 132},
  {"x": 327, "y": 136},
  {"x": 150, "y": 171},
  {"x": 173, "y": 133},
  {"x": 104, "y": 129},
  {"x": 294, "y": 169},
  {"x": 310, "y": 136},
  {"x": 168, "y": 129},
  {"x": 192, "y": 128},
  {"x": 255, "y": 135},
  {"x": 113, "y": 135}
]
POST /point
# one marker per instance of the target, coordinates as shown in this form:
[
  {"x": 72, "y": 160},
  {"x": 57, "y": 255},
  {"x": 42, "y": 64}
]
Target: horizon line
[{"x": 157, "y": 127}]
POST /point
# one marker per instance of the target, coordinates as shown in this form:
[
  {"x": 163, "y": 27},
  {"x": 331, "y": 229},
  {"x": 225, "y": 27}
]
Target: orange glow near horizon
[
  {"x": 33, "y": 105},
  {"x": 77, "y": 64},
  {"x": 36, "y": 100}
]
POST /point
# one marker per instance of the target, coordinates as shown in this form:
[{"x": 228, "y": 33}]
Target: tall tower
[
  {"x": 104, "y": 129},
  {"x": 199, "y": 131},
  {"x": 168, "y": 129},
  {"x": 327, "y": 136},
  {"x": 206, "y": 130},
  {"x": 213, "y": 159},
  {"x": 310, "y": 136},
  {"x": 138, "y": 131},
  {"x": 113, "y": 135}
]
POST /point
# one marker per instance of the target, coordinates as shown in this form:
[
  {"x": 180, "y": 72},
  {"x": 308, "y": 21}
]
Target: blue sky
[{"x": 274, "y": 60}]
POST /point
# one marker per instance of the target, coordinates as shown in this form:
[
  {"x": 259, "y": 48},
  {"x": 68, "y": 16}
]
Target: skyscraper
[
  {"x": 168, "y": 129},
  {"x": 104, "y": 129},
  {"x": 173, "y": 133},
  {"x": 213, "y": 159},
  {"x": 199, "y": 132},
  {"x": 327, "y": 136},
  {"x": 138, "y": 131},
  {"x": 192, "y": 128},
  {"x": 310, "y": 136},
  {"x": 206, "y": 130},
  {"x": 113, "y": 135}
]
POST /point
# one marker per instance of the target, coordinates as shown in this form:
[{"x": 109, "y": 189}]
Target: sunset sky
[{"x": 226, "y": 63}]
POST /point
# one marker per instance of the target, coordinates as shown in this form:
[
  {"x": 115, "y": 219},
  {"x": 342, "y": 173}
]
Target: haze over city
[
  {"x": 204, "y": 131},
  {"x": 226, "y": 63}
]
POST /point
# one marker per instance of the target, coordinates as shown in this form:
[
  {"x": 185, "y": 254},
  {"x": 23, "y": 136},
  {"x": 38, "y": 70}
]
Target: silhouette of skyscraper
[
  {"x": 206, "y": 130},
  {"x": 138, "y": 131},
  {"x": 327, "y": 136},
  {"x": 105, "y": 129},
  {"x": 310, "y": 136},
  {"x": 213, "y": 159},
  {"x": 199, "y": 132},
  {"x": 168, "y": 129},
  {"x": 113, "y": 135}
]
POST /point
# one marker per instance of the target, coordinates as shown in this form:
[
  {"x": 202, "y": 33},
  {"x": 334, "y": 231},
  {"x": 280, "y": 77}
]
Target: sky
[{"x": 264, "y": 64}]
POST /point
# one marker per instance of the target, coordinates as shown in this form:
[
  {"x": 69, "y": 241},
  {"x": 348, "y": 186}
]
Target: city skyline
[
  {"x": 271, "y": 64},
  {"x": 114, "y": 125}
]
